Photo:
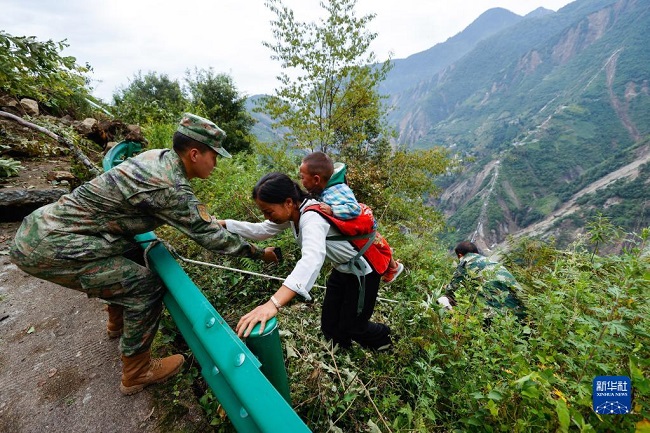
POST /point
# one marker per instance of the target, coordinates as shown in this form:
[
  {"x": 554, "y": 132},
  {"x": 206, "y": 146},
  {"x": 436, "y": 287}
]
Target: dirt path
[
  {"x": 59, "y": 372},
  {"x": 632, "y": 169}
]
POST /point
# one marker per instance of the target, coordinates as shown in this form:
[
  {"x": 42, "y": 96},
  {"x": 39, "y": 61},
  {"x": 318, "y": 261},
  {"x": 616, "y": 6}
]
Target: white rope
[
  {"x": 213, "y": 265},
  {"x": 174, "y": 253}
]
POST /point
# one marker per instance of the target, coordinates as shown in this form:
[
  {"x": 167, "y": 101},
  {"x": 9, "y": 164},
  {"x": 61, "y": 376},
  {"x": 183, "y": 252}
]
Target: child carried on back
[{"x": 327, "y": 184}]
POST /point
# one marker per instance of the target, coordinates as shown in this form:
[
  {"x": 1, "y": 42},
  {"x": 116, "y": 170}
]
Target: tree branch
[{"x": 78, "y": 154}]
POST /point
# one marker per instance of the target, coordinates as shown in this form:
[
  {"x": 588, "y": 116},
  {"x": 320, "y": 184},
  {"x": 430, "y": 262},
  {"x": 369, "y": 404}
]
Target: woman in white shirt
[{"x": 283, "y": 202}]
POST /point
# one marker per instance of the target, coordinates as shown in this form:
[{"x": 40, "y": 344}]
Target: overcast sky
[{"x": 118, "y": 38}]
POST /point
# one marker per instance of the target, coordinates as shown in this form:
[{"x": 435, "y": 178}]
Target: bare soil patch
[
  {"x": 59, "y": 372},
  {"x": 33, "y": 174}
]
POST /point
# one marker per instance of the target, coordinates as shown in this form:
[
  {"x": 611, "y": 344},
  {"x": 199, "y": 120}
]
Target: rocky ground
[{"x": 59, "y": 372}]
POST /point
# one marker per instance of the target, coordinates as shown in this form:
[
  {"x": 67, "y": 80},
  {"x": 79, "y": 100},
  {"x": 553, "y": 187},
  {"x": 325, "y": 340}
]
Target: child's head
[{"x": 315, "y": 171}]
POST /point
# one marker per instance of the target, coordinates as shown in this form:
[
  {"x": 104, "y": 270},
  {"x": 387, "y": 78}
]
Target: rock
[
  {"x": 30, "y": 106},
  {"x": 7, "y": 101},
  {"x": 135, "y": 134},
  {"x": 17, "y": 204},
  {"x": 85, "y": 127},
  {"x": 103, "y": 132},
  {"x": 10, "y": 105},
  {"x": 61, "y": 176},
  {"x": 67, "y": 120}
]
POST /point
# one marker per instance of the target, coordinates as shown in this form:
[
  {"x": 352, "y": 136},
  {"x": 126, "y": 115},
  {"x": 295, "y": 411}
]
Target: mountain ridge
[
  {"x": 553, "y": 102},
  {"x": 566, "y": 106}
]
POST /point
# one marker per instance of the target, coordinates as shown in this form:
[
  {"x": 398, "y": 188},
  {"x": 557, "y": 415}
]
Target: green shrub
[
  {"x": 34, "y": 69},
  {"x": 9, "y": 167},
  {"x": 447, "y": 371}
]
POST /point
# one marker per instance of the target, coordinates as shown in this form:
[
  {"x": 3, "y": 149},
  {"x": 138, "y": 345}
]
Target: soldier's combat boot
[
  {"x": 140, "y": 370},
  {"x": 115, "y": 322}
]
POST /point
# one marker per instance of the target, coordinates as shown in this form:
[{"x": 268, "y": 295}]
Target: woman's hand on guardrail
[{"x": 260, "y": 314}]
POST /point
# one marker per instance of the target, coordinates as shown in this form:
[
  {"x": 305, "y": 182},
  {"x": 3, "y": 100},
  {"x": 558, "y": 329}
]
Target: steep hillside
[
  {"x": 410, "y": 80},
  {"x": 542, "y": 109},
  {"x": 607, "y": 192},
  {"x": 461, "y": 90},
  {"x": 560, "y": 112}
]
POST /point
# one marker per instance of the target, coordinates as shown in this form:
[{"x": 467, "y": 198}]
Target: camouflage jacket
[
  {"x": 496, "y": 286},
  {"x": 137, "y": 196}
]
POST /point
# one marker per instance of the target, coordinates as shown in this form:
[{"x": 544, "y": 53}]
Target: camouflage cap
[{"x": 203, "y": 131}]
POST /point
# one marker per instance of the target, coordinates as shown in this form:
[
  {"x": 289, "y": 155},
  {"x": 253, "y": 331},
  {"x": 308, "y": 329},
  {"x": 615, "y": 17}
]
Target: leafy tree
[
  {"x": 328, "y": 96},
  {"x": 151, "y": 98},
  {"x": 216, "y": 97},
  {"x": 328, "y": 100},
  {"x": 37, "y": 70},
  {"x": 398, "y": 191}
]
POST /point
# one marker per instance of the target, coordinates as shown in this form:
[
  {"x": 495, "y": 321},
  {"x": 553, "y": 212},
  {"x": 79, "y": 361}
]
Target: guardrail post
[{"x": 268, "y": 350}]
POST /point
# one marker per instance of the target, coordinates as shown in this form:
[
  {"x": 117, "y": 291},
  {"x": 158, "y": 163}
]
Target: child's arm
[
  {"x": 327, "y": 209},
  {"x": 341, "y": 201},
  {"x": 346, "y": 211}
]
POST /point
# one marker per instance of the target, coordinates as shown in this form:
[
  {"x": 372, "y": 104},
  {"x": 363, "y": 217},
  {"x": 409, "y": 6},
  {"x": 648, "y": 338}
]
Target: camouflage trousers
[{"x": 113, "y": 271}]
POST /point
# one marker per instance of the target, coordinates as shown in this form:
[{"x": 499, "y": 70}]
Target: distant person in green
[
  {"x": 496, "y": 287},
  {"x": 84, "y": 241}
]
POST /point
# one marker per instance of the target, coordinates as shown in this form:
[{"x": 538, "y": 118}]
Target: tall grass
[{"x": 448, "y": 371}]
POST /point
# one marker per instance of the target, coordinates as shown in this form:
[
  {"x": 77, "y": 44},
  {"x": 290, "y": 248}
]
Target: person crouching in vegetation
[
  {"x": 349, "y": 297},
  {"x": 495, "y": 285},
  {"x": 85, "y": 242}
]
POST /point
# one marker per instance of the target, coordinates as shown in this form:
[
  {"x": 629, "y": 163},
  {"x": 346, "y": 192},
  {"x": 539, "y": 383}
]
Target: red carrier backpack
[{"x": 360, "y": 232}]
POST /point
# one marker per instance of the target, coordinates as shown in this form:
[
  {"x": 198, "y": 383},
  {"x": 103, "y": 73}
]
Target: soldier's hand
[{"x": 270, "y": 256}]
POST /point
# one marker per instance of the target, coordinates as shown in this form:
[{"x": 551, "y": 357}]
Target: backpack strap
[
  {"x": 354, "y": 265},
  {"x": 353, "y": 238}
]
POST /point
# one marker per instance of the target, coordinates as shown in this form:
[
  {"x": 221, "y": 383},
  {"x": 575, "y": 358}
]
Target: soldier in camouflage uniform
[
  {"x": 497, "y": 287},
  {"x": 84, "y": 241}
]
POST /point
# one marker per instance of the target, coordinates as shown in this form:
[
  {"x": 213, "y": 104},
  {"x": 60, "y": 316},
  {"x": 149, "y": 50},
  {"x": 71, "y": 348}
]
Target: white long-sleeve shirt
[{"x": 311, "y": 236}]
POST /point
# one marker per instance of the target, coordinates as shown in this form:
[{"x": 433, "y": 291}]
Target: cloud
[{"x": 118, "y": 38}]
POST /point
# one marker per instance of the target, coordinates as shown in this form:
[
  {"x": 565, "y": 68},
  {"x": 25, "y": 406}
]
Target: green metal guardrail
[{"x": 232, "y": 371}]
